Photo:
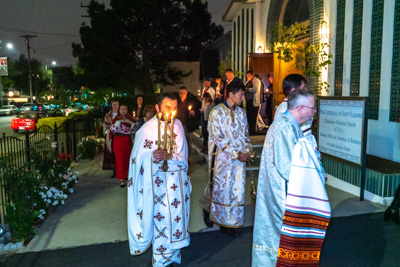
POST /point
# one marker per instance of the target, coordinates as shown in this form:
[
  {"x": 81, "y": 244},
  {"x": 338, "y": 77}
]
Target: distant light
[
  {"x": 53, "y": 63},
  {"x": 10, "y": 46},
  {"x": 11, "y": 94},
  {"x": 124, "y": 93}
]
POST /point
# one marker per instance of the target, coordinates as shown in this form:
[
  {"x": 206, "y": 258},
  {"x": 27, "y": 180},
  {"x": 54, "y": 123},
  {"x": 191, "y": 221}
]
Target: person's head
[
  {"x": 301, "y": 104},
  {"x": 218, "y": 80},
  {"x": 250, "y": 75},
  {"x": 149, "y": 111},
  {"x": 229, "y": 74},
  {"x": 123, "y": 110},
  {"x": 183, "y": 93},
  {"x": 114, "y": 106},
  {"x": 236, "y": 92},
  {"x": 293, "y": 82},
  {"x": 207, "y": 83},
  {"x": 207, "y": 98},
  {"x": 166, "y": 104},
  {"x": 139, "y": 101}
]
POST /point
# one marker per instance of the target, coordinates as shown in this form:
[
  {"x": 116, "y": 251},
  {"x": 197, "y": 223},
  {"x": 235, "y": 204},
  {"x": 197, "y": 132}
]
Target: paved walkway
[{"x": 94, "y": 220}]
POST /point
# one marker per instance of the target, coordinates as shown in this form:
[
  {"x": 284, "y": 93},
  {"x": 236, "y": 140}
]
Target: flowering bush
[
  {"x": 45, "y": 181},
  {"x": 89, "y": 146}
]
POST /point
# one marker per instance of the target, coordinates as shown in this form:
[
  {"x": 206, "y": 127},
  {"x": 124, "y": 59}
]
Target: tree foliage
[
  {"x": 129, "y": 44},
  {"x": 18, "y": 76}
]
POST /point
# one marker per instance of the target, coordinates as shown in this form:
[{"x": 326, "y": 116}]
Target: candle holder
[{"x": 167, "y": 156}]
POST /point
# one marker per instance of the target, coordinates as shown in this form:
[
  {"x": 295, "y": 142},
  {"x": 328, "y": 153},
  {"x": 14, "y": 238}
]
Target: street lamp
[
  {"x": 10, "y": 46},
  {"x": 53, "y": 63}
]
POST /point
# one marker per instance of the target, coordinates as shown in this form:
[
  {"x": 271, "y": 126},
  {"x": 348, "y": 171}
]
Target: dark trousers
[
  {"x": 204, "y": 131},
  {"x": 252, "y": 113},
  {"x": 396, "y": 201}
]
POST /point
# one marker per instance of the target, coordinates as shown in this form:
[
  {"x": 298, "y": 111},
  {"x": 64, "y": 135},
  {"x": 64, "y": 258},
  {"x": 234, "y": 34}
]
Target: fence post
[
  {"x": 74, "y": 138},
  {"x": 27, "y": 147},
  {"x": 67, "y": 123},
  {"x": 85, "y": 120}
]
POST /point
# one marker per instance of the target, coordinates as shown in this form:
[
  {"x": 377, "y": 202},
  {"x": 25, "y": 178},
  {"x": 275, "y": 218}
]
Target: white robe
[
  {"x": 225, "y": 192},
  {"x": 158, "y": 202}
]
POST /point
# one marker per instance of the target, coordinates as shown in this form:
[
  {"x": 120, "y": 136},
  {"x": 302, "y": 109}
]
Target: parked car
[
  {"x": 26, "y": 121},
  {"x": 72, "y": 109},
  {"x": 8, "y": 110},
  {"x": 55, "y": 113},
  {"x": 37, "y": 107},
  {"x": 27, "y": 107}
]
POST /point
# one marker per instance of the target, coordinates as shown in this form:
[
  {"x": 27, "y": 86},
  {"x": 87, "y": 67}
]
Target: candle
[
  {"x": 165, "y": 131},
  {"x": 199, "y": 92},
  {"x": 134, "y": 114},
  {"x": 172, "y": 131},
  {"x": 159, "y": 131},
  {"x": 190, "y": 108}
]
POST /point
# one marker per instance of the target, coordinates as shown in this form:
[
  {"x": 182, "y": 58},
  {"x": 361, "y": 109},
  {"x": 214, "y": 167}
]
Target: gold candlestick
[
  {"x": 159, "y": 131},
  {"x": 172, "y": 132},
  {"x": 165, "y": 132}
]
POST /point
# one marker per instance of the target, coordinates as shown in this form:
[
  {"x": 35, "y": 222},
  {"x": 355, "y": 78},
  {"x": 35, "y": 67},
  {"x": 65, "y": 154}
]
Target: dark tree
[{"x": 129, "y": 44}]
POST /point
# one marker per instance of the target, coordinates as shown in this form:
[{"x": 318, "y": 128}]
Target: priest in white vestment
[
  {"x": 290, "y": 83},
  {"x": 158, "y": 199},
  {"x": 228, "y": 150},
  {"x": 276, "y": 161}
]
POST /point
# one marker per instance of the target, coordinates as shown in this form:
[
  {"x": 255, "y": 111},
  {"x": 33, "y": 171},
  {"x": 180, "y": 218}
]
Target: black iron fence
[{"x": 18, "y": 151}]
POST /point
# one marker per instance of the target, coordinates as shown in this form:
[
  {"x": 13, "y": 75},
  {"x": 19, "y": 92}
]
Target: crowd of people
[{"x": 149, "y": 154}]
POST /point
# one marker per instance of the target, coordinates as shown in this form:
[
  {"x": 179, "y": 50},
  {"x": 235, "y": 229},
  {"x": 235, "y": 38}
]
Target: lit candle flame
[
  {"x": 190, "y": 108},
  {"x": 159, "y": 115},
  {"x": 173, "y": 114}
]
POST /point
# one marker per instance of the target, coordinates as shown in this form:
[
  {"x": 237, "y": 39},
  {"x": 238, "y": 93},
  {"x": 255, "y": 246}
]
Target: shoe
[
  {"x": 229, "y": 231},
  {"x": 392, "y": 215},
  {"x": 122, "y": 183},
  {"x": 206, "y": 219},
  {"x": 114, "y": 175}
]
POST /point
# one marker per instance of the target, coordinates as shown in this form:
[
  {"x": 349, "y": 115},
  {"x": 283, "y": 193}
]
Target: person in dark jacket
[
  {"x": 188, "y": 113},
  {"x": 392, "y": 212}
]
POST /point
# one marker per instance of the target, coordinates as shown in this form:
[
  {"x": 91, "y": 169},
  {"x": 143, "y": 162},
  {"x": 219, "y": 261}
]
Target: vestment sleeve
[{"x": 285, "y": 140}]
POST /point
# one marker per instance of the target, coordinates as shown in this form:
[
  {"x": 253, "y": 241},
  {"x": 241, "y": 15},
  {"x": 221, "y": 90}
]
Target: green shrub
[
  {"x": 77, "y": 115},
  {"x": 89, "y": 146},
  {"x": 42, "y": 123}
]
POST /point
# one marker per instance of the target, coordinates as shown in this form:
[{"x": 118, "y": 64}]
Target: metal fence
[{"x": 18, "y": 150}]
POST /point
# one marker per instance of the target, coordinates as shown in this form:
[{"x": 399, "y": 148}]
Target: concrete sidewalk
[{"x": 96, "y": 212}]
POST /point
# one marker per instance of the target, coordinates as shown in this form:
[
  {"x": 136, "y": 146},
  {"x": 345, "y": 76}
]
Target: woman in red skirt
[{"x": 122, "y": 145}]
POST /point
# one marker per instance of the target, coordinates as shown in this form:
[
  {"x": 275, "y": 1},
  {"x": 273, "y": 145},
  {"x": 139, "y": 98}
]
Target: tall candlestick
[
  {"x": 165, "y": 131},
  {"x": 159, "y": 131},
  {"x": 172, "y": 131}
]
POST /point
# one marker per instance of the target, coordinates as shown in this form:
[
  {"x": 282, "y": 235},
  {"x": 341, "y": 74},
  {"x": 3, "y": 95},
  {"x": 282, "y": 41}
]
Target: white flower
[
  {"x": 60, "y": 175},
  {"x": 49, "y": 194},
  {"x": 53, "y": 144},
  {"x": 65, "y": 176},
  {"x": 76, "y": 172},
  {"x": 42, "y": 211},
  {"x": 34, "y": 204},
  {"x": 55, "y": 203},
  {"x": 48, "y": 201},
  {"x": 71, "y": 190},
  {"x": 76, "y": 181},
  {"x": 54, "y": 161},
  {"x": 62, "y": 202},
  {"x": 66, "y": 196},
  {"x": 69, "y": 169},
  {"x": 73, "y": 177}
]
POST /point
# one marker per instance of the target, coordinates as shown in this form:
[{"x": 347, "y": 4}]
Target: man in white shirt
[
  {"x": 207, "y": 89},
  {"x": 253, "y": 99}
]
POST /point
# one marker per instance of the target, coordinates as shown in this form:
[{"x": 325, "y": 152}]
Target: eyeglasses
[{"x": 313, "y": 108}]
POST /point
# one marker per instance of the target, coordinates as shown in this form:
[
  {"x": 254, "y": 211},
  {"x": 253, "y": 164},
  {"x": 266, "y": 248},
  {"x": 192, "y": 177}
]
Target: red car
[{"x": 25, "y": 121}]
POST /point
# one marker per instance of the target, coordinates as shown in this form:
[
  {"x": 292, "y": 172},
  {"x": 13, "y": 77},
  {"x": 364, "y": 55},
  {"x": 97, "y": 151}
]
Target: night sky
[{"x": 56, "y": 24}]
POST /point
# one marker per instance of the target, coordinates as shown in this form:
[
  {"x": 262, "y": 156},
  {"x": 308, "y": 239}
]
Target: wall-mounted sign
[{"x": 341, "y": 127}]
